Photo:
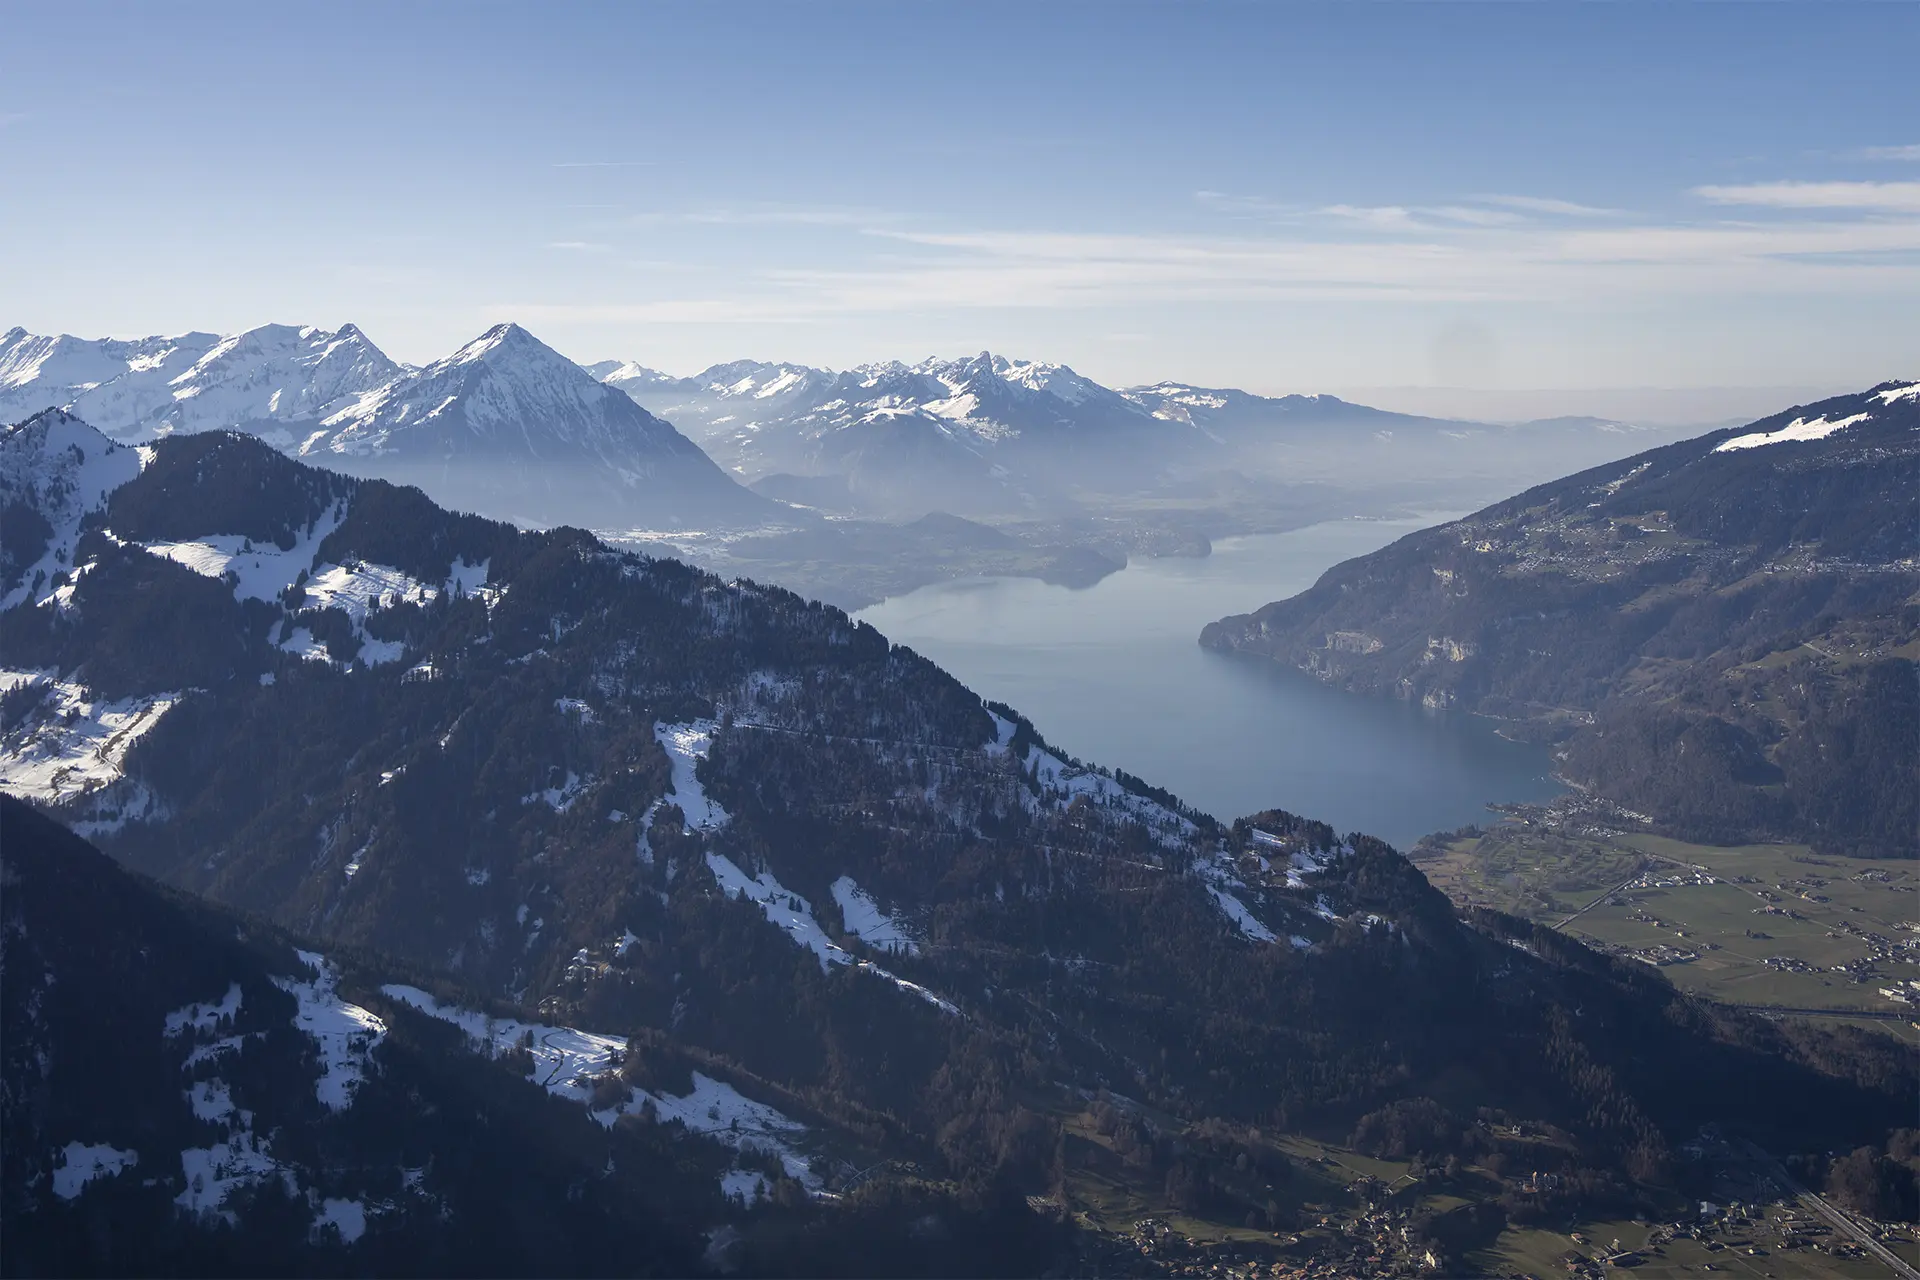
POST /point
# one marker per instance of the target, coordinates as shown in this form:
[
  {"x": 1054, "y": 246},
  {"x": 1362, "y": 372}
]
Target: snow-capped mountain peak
[
  {"x": 258, "y": 379},
  {"x": 503, "y": 341},
  {"x": 39, "y": 371},
  {"x": 508, "y": 425},
  {"x": 60, "y": 469},
  {"x": 620, "y": 373}
]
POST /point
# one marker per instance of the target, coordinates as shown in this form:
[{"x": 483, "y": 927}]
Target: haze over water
[{"x": 1114, "y": 674}]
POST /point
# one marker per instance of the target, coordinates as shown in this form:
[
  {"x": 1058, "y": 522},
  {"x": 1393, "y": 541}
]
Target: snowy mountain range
[
  {"x": 983, "y": 433},
  {"x": 261, "y": 380},
  {"x": 505, "y": 425},
  {"x": 511, "y": 428},
  {"x": 991, "y": 435}
]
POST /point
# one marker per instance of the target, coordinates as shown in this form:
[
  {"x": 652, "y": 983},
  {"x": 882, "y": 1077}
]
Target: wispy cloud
[
  {"x": 1899, "y": 196},
  {"x": 1549, "y": 205},
  {"x": 1860, "y": 241},
  {"x": 13, "y": 117},
  {"x": 1909, "y": 152},
  {"x": 1473, "y": 211},
  {"x": 580, "y": 246},
  {"x": 1386, "y": 216},
  {"x": 771, "y": 215},
  {"x": 1474, "y": 216},
  {"x": 1244, "y": 206},
  {"x": 604, "y": 164}
]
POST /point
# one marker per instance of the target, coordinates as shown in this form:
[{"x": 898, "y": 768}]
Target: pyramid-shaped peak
[{"x": 504, "y": 341}]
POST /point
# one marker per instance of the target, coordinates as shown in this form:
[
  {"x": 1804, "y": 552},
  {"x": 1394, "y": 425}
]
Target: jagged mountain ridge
[
  {"x": 994, "y": 433},
  {"x": 268, "y": 380},
  {"x": 1720, "y": 632},
  {"x": 505, "y": 425},
  {"x": 509, "y": 426},
  {"x": 988, "y": 435},
  {"x": 636, "y": 798}
]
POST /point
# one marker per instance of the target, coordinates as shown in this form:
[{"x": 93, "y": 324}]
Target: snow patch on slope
[
  {"x": 568, "y": 1063},
  {"x": 345, "y": 1033},
  {"x": 1236, "y": 911},
  {"x": 204, "y": 1016},
  {"x": 793, "y": 916},
  {"x": 686, "y": 745},
  {"x": 85, "y": 1162},
  {"x": 73, "y": 745},
  {"x": 262, "y": 570},
  {"x": 866, "y": 921},
  {"x": 1799, "y": 429}
]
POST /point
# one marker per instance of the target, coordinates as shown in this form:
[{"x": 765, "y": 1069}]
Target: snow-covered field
[
  {"x": 345, "y": 1033},
  {"x": 1798, "y": 429},
  {"x": 569, "y": 1063},
  {"x": 87, "y": 1161},
  {"x": 687, "y": 744},
  {"x": 75, "y": 744},
  {"x": 866, "y": 921}
]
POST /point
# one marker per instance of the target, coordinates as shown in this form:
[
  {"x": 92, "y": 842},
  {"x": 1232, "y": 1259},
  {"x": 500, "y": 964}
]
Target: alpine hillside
[
  {"x": 1720, "y": 633},
  {"x": 547, "y": 790}
]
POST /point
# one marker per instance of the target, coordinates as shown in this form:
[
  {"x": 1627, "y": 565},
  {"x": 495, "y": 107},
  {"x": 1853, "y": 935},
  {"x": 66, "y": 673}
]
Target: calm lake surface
[{"x": 1115, "y": 674}]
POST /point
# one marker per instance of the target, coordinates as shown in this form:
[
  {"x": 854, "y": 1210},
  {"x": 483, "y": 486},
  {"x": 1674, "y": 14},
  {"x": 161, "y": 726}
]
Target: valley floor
[
  {"x": 1773, "y": 926},
  {"x": 1350, "y": 1216}
]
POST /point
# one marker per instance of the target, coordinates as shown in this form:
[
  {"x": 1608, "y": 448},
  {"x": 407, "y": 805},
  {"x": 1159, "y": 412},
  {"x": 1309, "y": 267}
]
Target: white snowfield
[
  {"x": 867, "y": 922},
  {"x": 1909, "y": 392},
  {"x": 85, "y": 1162},
  {"x": 793, "y": 916},
  {"x": 262, "y": 571},
  {"x": 348, "y": 1217},
  {"x": 685, "y": 745},
  {"x": 74, "y": 745},
  {"x": 1799, "y": 429},
  {"x": 346, "y": 1034},
  {"x": 1236, "y": 911},
  {"x": 569, "y": 1064}
]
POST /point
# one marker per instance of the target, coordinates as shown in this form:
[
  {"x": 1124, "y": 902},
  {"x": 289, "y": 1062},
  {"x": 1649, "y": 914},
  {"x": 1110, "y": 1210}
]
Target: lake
[{"x": 1114, "y": 674}]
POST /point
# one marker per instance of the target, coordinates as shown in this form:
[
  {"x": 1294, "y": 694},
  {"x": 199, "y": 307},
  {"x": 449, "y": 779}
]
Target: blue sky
[{"x": 1272, "y": 196}]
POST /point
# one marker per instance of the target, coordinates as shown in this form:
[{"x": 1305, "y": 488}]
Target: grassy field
[
  {"x": 1834, "y": 928},
  {"x": 1537, "y": 1252}
]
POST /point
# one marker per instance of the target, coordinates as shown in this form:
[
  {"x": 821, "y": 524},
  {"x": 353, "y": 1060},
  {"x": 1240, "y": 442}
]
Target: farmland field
[{"x": 1770, "y": 925}]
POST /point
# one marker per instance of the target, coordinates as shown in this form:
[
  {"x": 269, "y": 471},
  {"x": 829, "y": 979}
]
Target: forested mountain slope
[
  {"x": 1722, "y": 632},
  {"x": 185, "y": 1093},
  {"x": 721, "y": 820}
]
